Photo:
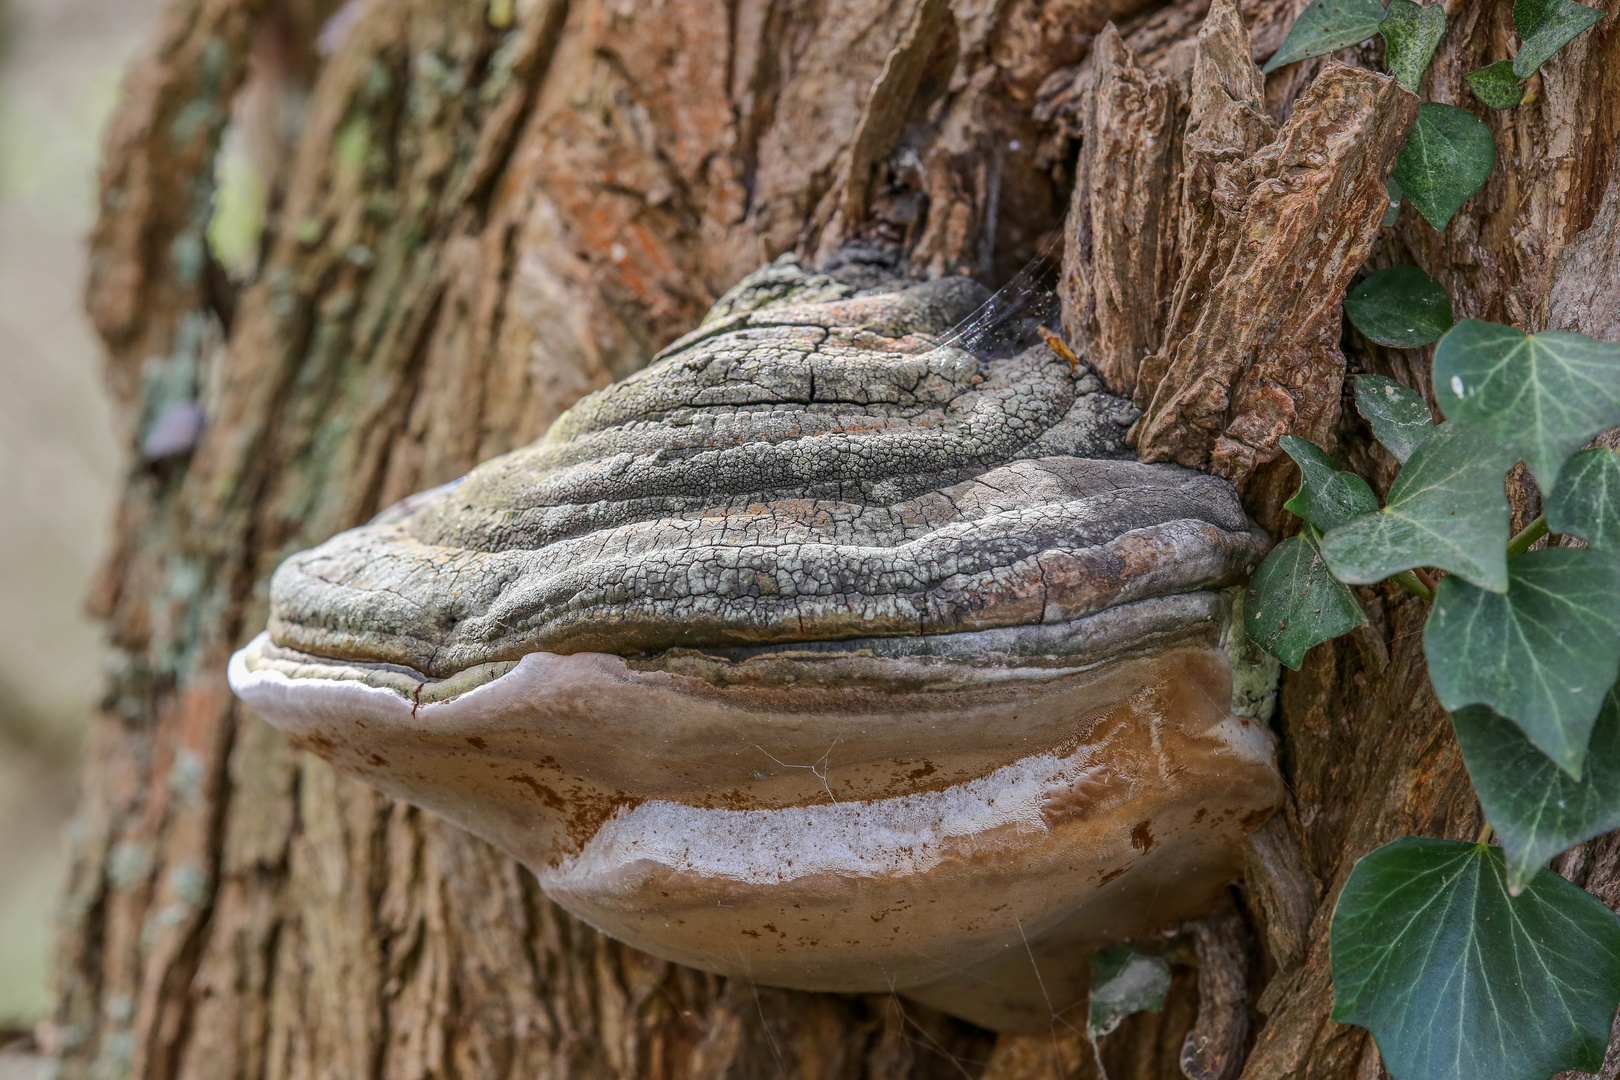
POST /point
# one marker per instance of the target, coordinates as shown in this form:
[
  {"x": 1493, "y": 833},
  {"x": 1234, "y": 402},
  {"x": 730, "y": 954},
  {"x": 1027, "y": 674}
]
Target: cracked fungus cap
[{"x": 817, "y": 653}]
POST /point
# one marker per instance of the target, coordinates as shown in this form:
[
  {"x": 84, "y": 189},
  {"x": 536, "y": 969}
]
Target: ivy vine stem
[
  {"x": 1409, "y": 581},
  {"x": 1528, "y": 536}
]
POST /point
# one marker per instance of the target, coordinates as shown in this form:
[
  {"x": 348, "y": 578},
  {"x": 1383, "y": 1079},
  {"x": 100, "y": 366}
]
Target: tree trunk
[{"x": 479, "y": 212}]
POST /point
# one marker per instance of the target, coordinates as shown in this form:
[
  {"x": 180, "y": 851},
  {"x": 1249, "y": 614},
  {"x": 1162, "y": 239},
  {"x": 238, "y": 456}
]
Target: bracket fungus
[{"x": 825, "y": 651}]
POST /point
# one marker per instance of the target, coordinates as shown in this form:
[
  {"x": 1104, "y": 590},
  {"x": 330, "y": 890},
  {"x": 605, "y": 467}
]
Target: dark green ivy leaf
[
  {"x": 1326, "y": 496},
  {"x": 1543, "y": 654},
  {"x": 1123, "y": 982},
  {"x": 1535, "y": 808},
  {"x": 1542, "y": 396},
  {"x": 1448, "y": 155},
  {"x": 1411, "y": 33},
  {"x": 1327, "y": 26},
  {"x": 1586, "y": 502},
  {"x": 1447, "y": 508},
  {"x": 1400, "y": 306},
  {"x": 1545, "y": 26},
  {"x": 1496, "y": 85},
  {"x": 1399, "y": 418},
  {"x": 1293, "y": 602},
  {"x": 1458, "y": 980}
]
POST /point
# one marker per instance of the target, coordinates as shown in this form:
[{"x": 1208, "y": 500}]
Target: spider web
[{"x": 1014, "y": 317}]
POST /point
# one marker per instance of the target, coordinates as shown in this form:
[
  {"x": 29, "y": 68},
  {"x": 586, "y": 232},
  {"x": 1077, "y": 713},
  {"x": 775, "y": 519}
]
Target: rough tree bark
[{"x": 481, "y": 211}]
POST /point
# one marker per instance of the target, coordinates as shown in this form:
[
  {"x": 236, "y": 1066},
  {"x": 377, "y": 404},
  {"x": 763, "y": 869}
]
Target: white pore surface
[
  {"x": 894, "y": 837},
  {"x": 306, "y": 704},
  {"x": 886, "y": 837},
  {"x": 278, "y": 698}
]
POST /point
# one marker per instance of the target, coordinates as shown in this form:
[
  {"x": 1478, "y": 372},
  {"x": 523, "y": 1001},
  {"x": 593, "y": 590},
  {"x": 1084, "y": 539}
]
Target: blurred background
[{"x": 60, "y": 65}]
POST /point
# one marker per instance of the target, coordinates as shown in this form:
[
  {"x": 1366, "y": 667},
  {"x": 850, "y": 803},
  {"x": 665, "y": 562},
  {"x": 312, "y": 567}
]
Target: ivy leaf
[
  {"x": 1447, "y": 156},
  {"x": 1545, "y": 26},
  {"x": 1411, "y": 33},
  {"x": 1447, "y": 508},
  {"x": 1393, "y": 214},
  {"x": 1543, "y": 655},
  {"x": 1541, "y": 396},
  {"x": 1327, "y": 26},
  {"x": 1400, "y": 306},
  {"x": 1293, "y": 602},
  {"x": 1399, "y": 418},
  {"x": 1586, "y": 502},
  {"x": 1535, "y": 808},
  {"x": 1496, "y": 85},
  {"x": 1326, "y": 496},
  {"x": 1458, "y": 979},
  {"x": 1124, "y": 982}
]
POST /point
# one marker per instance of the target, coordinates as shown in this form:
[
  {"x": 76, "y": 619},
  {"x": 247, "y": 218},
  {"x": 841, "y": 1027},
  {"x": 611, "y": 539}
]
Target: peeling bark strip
[
  {"x": 1119, "y": 240},
  {"x": 891, "y": 98},
  {"x": 1214, "y": 1047},
  {"x": 1261, "y": 360},
  {"x": 1282, "y": 889},
  {"x": 1226, "y": 124},
  {"x": 1207, "y": 253}
]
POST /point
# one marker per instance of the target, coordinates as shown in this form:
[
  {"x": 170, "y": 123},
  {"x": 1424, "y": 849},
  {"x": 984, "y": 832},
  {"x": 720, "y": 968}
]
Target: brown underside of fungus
[{"x": 824, "y": 652}]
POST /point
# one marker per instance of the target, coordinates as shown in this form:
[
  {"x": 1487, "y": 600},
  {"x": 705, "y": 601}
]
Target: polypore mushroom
[{"x": 819, "y": 653}]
